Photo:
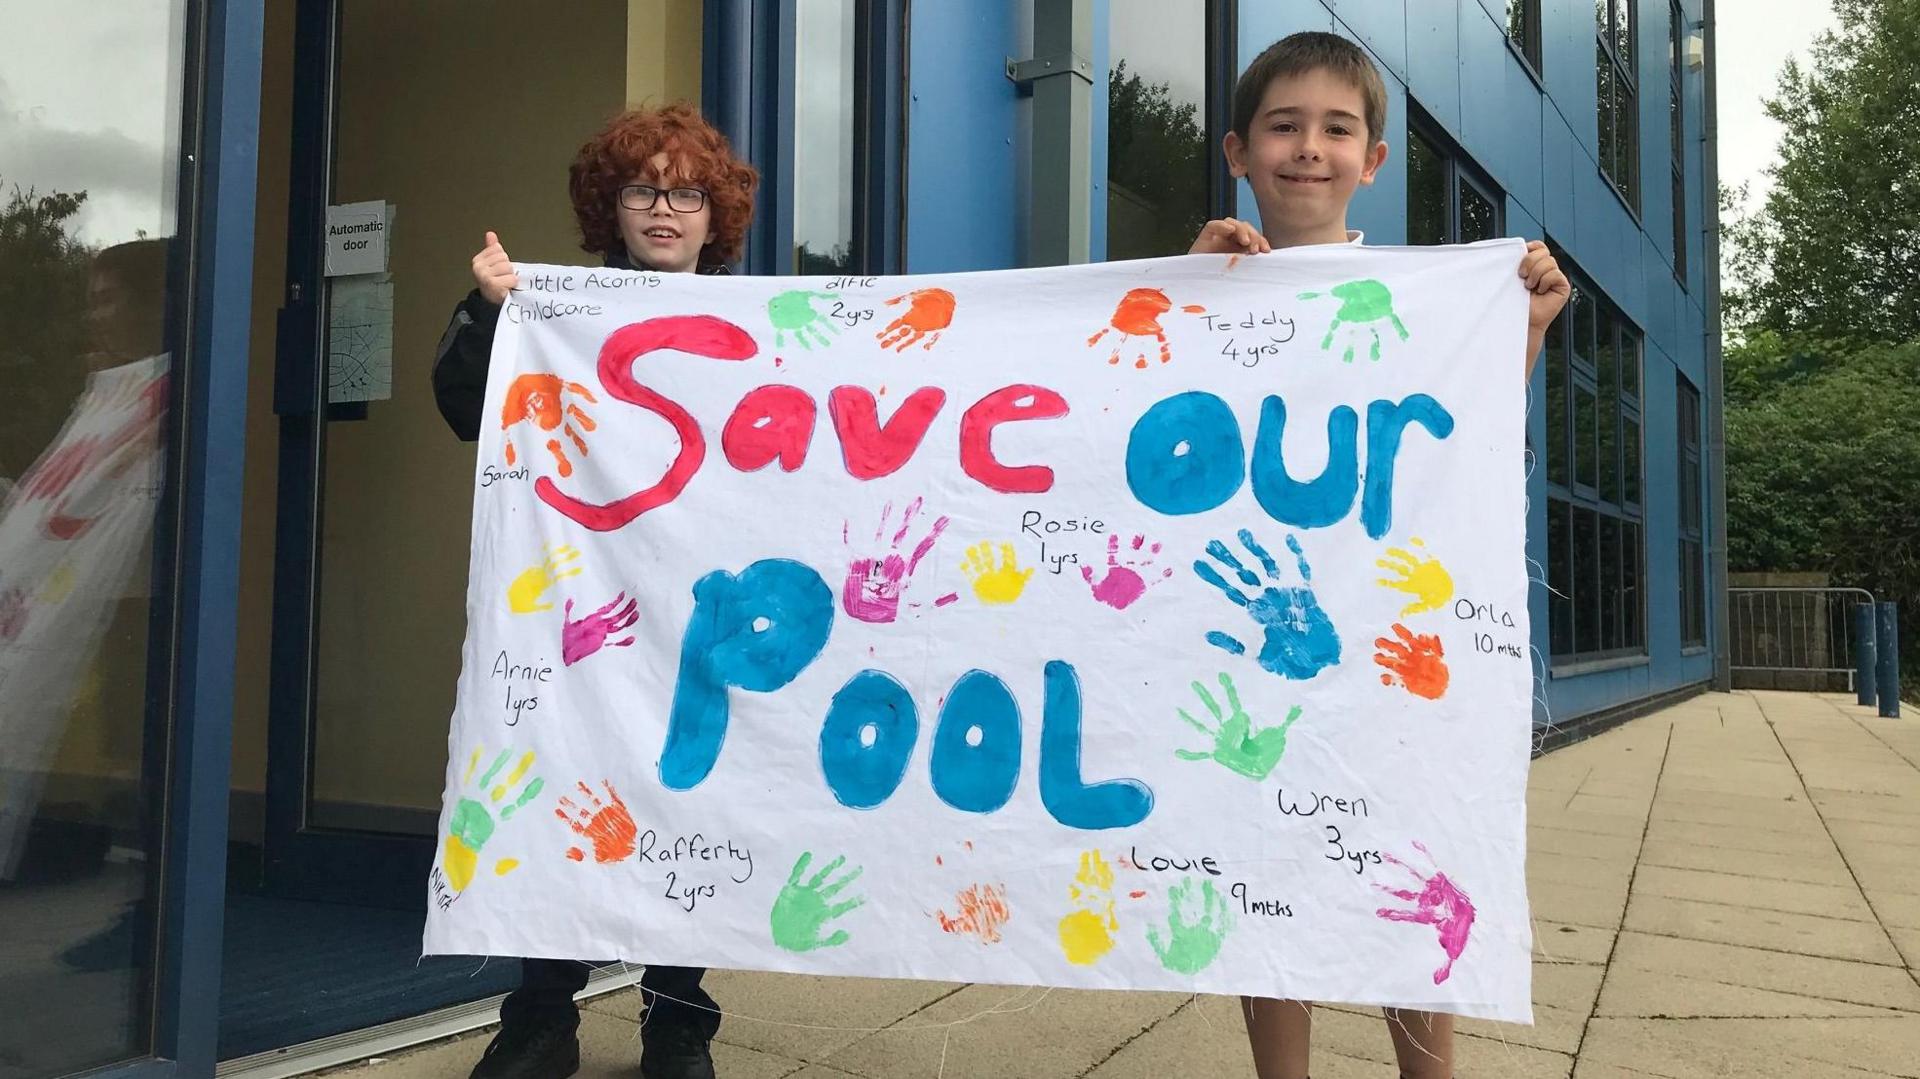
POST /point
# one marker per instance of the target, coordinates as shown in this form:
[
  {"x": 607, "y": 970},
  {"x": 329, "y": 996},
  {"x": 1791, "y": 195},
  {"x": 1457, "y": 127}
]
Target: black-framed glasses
[{"x": 642, "y": 197}]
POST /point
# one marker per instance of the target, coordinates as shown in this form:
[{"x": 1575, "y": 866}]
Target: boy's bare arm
[{"x": 1548, "y": 290}]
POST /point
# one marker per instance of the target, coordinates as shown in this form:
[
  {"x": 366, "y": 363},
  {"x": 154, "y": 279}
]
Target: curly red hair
[{"x": 700, "y": 155}]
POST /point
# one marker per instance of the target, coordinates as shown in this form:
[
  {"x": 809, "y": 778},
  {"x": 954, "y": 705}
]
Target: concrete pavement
[{"x": 1728, "y": 887}]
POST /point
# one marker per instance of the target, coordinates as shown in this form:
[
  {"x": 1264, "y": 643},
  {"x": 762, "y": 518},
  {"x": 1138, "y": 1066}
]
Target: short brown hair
[
  {"x": 700, "y": 155},
  {"x": 1311, "y": 50}
]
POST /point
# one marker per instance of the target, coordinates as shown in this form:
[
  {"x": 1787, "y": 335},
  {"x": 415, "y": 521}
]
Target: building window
[
  {"x": 1619, "y": 98},
  {"x": 1596, "y": 524},
  {"x": 1693, "y": 569},
  {"x": 847, "y": 137},
  {"x": 1158, "y": 149},
  {"x": 1676, "y": 123},
  {"x": 1448, "y": 201},
  {"x": 1523, "y": 29}
]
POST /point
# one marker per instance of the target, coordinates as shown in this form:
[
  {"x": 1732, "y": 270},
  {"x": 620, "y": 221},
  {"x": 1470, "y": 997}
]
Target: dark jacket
[{"x": 460, "y": 366}]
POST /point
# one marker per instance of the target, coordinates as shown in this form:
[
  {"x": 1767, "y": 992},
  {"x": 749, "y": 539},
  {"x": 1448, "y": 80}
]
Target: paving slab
[
  {"x": 1819, "y": 1048},
  {"x": 1729, "y": 887},
  {"x": 990, "y": 1032},
  {"x": 1793, "y": 897},
  {"x": 1803, "y": 934},
  {"x": 802, "y": 1016},
  {"x": 1813, "y": 976}
]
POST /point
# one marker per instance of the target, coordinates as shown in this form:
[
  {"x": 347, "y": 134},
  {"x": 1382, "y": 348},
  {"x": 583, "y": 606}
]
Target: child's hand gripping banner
[{"x": 1150, "y": 625}]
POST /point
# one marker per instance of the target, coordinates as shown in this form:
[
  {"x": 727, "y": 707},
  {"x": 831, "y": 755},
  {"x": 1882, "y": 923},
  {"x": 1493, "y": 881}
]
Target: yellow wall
[{"x": 464, "y": 117}]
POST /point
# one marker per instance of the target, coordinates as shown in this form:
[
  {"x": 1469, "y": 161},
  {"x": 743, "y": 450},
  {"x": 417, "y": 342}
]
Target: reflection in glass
[
  {"x": 823, "y": 137},
  {"x": 1426, "y": 192},
  {"x": 1157, "y": 146},
  {"x": 1477, "y": 218},
  {"x": 1586, "y": 581},
  {"x": 1561, "y": 598},
  {"x": 1557, "y": 375},
  {"x": 88, "y": 159},
  {"x": 1586, "y": 461}
]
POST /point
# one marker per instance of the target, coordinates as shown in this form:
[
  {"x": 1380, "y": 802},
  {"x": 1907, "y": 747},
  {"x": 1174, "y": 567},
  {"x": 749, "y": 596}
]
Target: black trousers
[{"x": 671, "y": 995}]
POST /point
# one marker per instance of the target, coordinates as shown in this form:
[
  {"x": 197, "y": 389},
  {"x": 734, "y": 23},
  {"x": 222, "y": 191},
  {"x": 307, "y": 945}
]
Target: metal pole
[
  {"x": 1864, "y": 674},
  {"x": 1061, "y": 76},
  {"x": 1888, "y": 669},
  {"x": 1709, "y": 228}
]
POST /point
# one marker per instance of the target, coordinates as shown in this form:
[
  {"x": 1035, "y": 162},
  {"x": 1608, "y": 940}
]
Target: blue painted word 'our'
[
  {"x": 1185, "y": 455},
  {"x": 757, "y": 631}
]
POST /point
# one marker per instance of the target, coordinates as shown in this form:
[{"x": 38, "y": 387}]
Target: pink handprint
[
  {"x": 1123, "y": 582},
  {"x": 874, "y": 584},
  {"x": 1440, "y": 904},
  {"x": 578, "y": 640}
]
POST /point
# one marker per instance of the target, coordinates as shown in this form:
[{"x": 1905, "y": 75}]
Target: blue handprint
[{"x": 1300, "y": 638}]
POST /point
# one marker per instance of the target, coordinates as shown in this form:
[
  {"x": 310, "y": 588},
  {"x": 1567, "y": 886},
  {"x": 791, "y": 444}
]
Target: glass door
[{"x": 425, "y": 141}]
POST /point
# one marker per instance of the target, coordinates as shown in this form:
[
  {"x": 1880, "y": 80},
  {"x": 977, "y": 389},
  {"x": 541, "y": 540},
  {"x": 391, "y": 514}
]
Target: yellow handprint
[
  {"x": 1086, "y": 933},
  {"x": 995, "y": 584},
  {"x": 1425, "y": 579},
  {"x": 523, "y": 595},
  {"x": 474, "y": 821}
]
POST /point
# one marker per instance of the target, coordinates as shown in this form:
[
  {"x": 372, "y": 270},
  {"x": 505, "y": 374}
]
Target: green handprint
[
  {"x": 794, "y": 310},
  {"x": 472, "y": 824},
  {"x": 1362, "y": 305},
  {"x": 801, "y": 911},
  {"x": 1234, "y": 742},
  {"x": 1190, "y": 946}
]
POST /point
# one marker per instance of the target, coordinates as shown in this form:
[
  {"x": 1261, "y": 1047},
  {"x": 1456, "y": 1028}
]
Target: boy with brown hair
[{"x": 1308, "y": 120}]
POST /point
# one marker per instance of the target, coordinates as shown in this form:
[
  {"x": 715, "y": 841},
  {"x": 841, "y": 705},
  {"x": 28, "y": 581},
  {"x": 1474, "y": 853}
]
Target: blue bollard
[
  {"x": 1864, "y": 674},
  {"x": 1888, "y": 667}
]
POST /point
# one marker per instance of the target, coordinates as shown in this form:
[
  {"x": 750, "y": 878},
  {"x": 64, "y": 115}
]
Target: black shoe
[
  {"x": 674, "y": 1051},
  {"x": 530, "y": 1051}
]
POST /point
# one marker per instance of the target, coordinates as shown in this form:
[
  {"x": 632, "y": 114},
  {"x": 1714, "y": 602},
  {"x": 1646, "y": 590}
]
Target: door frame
[{"x": 303, "y": 861}]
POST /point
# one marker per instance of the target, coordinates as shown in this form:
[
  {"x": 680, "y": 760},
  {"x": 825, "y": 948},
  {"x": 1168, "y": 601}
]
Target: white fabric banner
[{"x": 1147, "y": 625}]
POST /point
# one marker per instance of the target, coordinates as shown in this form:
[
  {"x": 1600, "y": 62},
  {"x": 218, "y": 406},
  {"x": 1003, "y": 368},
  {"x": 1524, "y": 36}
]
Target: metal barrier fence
[{"x": 1793, "y": 638}]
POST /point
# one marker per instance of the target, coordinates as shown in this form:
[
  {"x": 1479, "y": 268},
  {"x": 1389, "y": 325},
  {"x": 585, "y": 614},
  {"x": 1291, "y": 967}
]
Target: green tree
[
  {"x": 1156, "y": 168},
  {"x": 1822, "y": 303},
  {"x": 43, "y": 298},
  {"x": 1834, "y": 252}
]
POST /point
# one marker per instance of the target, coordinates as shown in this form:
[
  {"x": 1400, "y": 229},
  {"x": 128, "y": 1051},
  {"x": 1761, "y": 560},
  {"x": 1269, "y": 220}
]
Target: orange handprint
[
  {"x": 1415, "y": 661},
  {"x": 929, "y": 310},
  {"x": 537, "y": 398},
  {"x": 607, "y": 825},
  {"x": 1139, "y": 316}
]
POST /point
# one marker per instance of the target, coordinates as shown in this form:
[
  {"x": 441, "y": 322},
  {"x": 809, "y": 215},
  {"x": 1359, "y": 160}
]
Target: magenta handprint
[
  {"x": 1439, "y": 903},
  {"x": 578, "y": 640},
  {"x": 1128, "y": 578},
  {"x": 875, "y": 581}
]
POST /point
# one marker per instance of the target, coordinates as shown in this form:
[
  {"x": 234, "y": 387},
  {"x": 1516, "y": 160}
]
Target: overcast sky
[{"x": 1756, "y": 37}]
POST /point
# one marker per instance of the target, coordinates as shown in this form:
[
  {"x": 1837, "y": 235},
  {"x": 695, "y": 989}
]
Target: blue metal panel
[
  {"x": 1559, "y": 156},
  {"x": 1380, "y": 25},
  {"x": 1433, "y": 59},
  {"x": 1380, "y": 210},
  {"x": 213, "y": 402},
  {"x": 966, "y": 189},
  {"x": 1567, "y": 44},
  {"x": 1527, "y": 115},
  {"x": 1499, "y": 132}
]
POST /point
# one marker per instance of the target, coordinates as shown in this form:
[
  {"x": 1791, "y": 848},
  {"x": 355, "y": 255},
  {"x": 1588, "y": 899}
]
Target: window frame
[
  {"x": 1528, "y": 47},
  {"x": 1677, "y": 133},
  {"x": 1690, "y": 526},
  {"x": 1459, "y": 174},
  {"x": 1617, "y": 71},
  {"x": 1615, "y": 628}
]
